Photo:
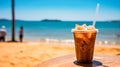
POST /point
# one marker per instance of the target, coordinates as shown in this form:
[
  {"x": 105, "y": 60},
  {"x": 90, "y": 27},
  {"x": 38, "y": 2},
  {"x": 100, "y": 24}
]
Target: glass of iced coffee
[{"x": 84, "y": 38}]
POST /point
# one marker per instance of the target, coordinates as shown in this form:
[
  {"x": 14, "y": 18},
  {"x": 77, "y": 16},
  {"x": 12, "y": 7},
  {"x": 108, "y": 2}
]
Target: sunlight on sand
[{"x": 30, "y": 53}]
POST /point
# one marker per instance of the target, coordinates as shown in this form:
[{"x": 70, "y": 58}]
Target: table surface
[{"x": 70, "y": 61}]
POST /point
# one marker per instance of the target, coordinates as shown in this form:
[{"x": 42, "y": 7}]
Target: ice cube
[
  {"x": 90, "y": 28},
  {"x": 84, "y": 25},
  {"x": 78, "y": 27}
]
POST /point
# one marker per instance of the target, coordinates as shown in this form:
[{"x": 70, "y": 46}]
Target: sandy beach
[{"x": 28, "y": 54}]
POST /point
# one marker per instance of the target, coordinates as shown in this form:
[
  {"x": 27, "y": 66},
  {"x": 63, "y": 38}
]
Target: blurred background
[{"x": 53, "y": 19}]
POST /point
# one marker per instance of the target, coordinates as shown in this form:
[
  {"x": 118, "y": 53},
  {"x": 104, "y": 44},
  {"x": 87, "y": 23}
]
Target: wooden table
[{"x": 70, "y": 61}]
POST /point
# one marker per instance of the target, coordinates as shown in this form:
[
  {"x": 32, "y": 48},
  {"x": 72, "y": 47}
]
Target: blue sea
[{"x": 37, "y": 30}]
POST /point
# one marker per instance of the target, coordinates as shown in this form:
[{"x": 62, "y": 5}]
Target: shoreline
[{"x": 65, "y": 41}]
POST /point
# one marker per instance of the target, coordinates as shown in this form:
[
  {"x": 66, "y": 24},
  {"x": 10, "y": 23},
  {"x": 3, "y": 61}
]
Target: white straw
[{"x": 95, "y": 17}]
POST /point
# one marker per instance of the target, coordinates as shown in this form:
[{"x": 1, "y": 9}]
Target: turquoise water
[{"x": 36, "y": 30}]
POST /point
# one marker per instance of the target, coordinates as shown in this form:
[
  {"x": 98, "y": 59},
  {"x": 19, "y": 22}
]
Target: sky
[{"x": 61, "y": 9}]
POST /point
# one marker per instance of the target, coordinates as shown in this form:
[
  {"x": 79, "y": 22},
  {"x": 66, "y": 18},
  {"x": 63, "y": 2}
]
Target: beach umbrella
[{"x": 13, "y": 22}]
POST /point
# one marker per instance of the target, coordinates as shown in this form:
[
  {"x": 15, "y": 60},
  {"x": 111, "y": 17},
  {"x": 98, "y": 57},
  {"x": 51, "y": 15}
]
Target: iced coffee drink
[{"x": 84, "y": 37}]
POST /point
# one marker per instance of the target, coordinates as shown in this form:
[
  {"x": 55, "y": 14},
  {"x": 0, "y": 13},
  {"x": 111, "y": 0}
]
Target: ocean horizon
[{"x": 61, "y": 30}]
